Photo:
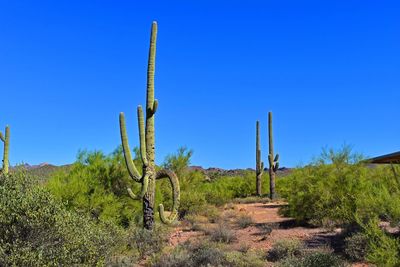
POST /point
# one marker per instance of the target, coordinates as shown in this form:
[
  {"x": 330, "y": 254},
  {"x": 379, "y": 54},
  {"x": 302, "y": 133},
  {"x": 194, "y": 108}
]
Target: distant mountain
[
  {"x": 216, "y": 172},
  {"x": 43, "y": 170}
]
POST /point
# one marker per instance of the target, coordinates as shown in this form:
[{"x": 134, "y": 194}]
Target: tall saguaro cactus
[
  {"x": 259, "y": 163},
  {"x": 147, "y": 152},
  {"x": 6, "y": 140},
  {"x": 272, "y": 159}
]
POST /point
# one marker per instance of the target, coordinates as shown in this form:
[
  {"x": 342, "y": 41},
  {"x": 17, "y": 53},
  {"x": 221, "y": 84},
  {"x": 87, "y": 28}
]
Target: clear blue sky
[{"x": 329, "y": 70}]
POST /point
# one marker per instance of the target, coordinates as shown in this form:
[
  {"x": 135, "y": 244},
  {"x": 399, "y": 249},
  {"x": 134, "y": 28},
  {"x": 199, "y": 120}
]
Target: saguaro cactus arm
[
  {"x": 175, "y": 196},
  {"x": 133, "y": 172},
  {"x": 2, "y": 137},
  {"x": 142, "y": 136},
  {"x": 143, "y": 190}
]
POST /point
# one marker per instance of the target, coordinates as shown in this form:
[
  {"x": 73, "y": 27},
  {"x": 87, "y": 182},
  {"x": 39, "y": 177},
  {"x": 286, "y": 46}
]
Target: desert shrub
[
  {"x": 244, "y": 221},
  {"x": 244, "y": 259},
  {"x": 325, "y": 192},
  {"x": 213, "y": 214},
  {"x": 252, "y": 199},
  {"x": 192, "y": 255},
  {"x": 207, "y": 254},
  {"x": 179, "y": 257},
  {"x": 37, "y": 230},
  {"x": 313, "y": 259},
  {"x": 179, "y": 162},
  {"x": 289, "y": 262},
  {"x": 96, "y": 185},
  {"x": 221, "y": 234},
  {"x": 147, "y": 243},
  {"x": 356, "y": 247},
  {"x": 383, "y": 250},
  {"x": 321, "y": 259},
  {"x": 285, "y": 248},
  {"x": 338, "y": 190},
  {"x": 192, "y": 202}
]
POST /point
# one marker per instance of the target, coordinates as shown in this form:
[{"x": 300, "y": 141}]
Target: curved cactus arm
[
  {"x": 133, "y": 172},
  {"x": 142, "y": 136},
  {"x": 262, "y": 166},
  {"x": 276, "y": 158},
  {"x": 153, "y": 108},
  {"x": 276, "y": 167},
  {"x": 2, "y": 137},
  {"x": 271, "y": 159},
  {"x": 175, "y": 196},
  {"x": 145, "y": 184}
]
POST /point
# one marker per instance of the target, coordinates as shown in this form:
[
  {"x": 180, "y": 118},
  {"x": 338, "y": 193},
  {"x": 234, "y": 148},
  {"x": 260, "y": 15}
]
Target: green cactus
[
  {"x": 6, "y": 140},
  {"x": 273, "y": 160},
  {"x": 147, "y": 152},
  {"x": 259, "y": 163}
]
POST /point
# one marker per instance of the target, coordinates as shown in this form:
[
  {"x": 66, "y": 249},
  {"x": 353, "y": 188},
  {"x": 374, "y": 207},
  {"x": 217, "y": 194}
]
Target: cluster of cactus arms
[
  {"x": 147, "y": 152},
  {"x": 272, "y": 159},
  {"x": 6, "y": 140},
  {"x": 259, "y": 163}
]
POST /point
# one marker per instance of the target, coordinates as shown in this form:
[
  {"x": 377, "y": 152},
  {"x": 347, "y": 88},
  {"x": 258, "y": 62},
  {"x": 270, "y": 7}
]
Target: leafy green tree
[
  {"x": 179, "y": 161},
  {"x": 96, "y": 184}
]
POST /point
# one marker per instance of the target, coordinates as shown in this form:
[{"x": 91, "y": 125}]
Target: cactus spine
[
  {"x": 6, "y": 140},
  {"x": 147, "y": 152},
  {"x": 259, "y": 163},
  {"x": 272, "y": 159}
]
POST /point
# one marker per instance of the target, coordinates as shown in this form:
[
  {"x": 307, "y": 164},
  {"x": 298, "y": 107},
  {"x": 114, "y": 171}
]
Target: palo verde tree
[
  {"x": 259, "y": 163},
  {"x": 272, "y": 159},
  {"x": 6, "y": 140},
  {"x": 147, "y": 152}
]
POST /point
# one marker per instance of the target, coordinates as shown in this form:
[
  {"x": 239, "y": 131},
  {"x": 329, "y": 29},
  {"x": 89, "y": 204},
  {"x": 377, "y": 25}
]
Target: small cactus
[
  {"x": 259, "y": 163},
  {"x": 6, "y": 140},
  {"x": 147, "y": 152},
  {"x": 273, "y": 160}
]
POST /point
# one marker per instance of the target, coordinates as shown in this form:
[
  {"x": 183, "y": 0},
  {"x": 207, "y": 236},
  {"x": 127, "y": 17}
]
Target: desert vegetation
[{"x": 335, "y": 211}]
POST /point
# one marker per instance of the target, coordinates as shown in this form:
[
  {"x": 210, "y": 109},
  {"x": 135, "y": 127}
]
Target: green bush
[
  {"x": 37, "y": 230},
  {"x": 336, "y": 189},
  {"x": 314, "y": 259},
  {"x": 249, "y": 258},
  {"x": 147, "y": 243},
  {"x": 286, "y": 248},
  {"x": 208, "y": 255},
  {"x": 244, "y": 221},
  {"x": 222, "y": 234},
  {"x": 96, "y": 185},
  {"x": 384, "y": 250},
  {"x": 192, "y": 202},
  {"x": 356, "y": 247},
  {"x": 194, "y": 255},
  {"x": 321, "y": 259}
]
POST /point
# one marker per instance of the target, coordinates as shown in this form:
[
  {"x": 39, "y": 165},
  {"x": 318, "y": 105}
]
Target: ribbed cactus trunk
[
  {"x": 272, "y": 159},
  {"x": 259, "y": 163},
  {"x": 6, "y": 140},
  {"x": 147, "y": 151},
  {"x": 151, "y": 105}
]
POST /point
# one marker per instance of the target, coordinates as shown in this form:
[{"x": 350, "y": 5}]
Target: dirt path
[
  {"x": 259, "y": 235},
  {"x": 267, "y": 227},
  {"x": 266, "y": 215}
]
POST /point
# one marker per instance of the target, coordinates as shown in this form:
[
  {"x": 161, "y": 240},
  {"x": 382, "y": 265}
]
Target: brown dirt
[{"x": 263, "y": 215}]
